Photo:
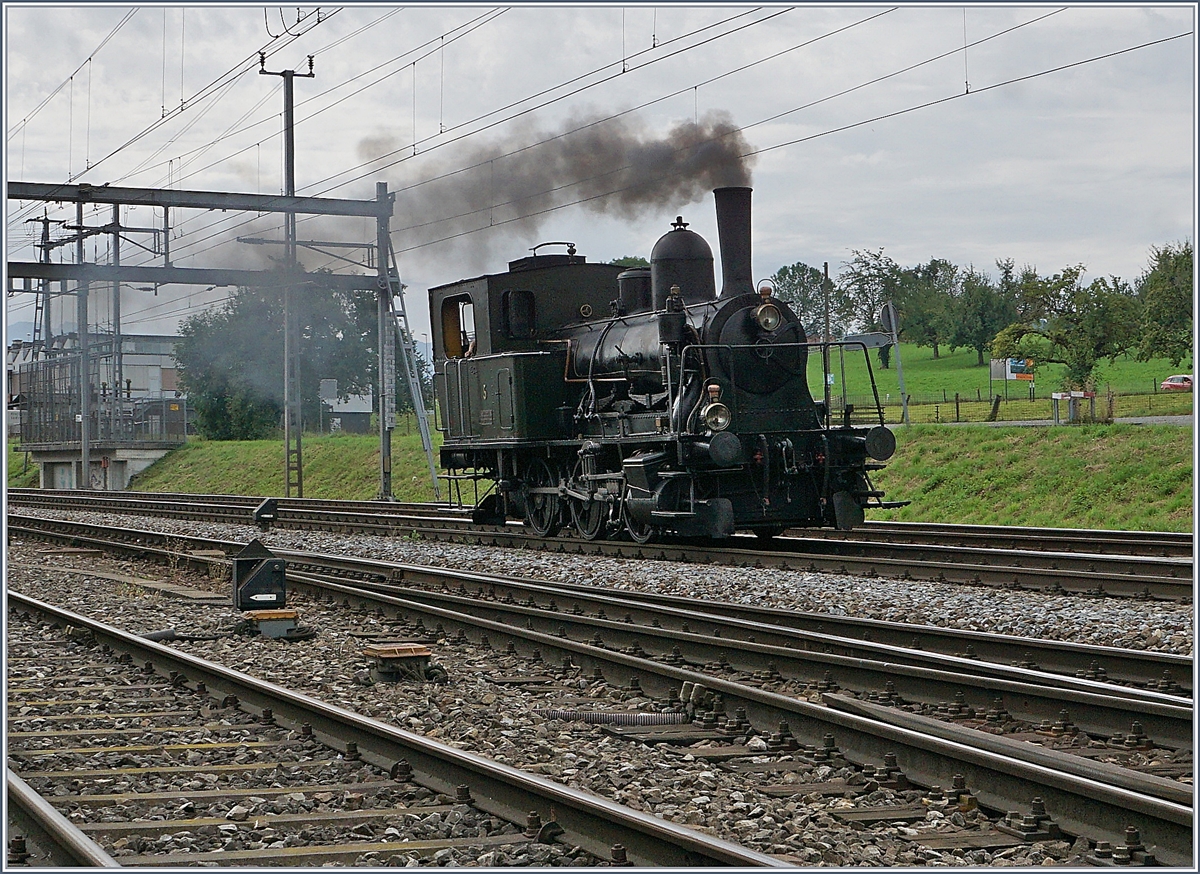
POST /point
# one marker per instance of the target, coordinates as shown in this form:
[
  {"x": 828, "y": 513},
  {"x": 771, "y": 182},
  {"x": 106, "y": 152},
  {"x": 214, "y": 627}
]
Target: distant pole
[
  {"x": 894, "y": 327},
  {"x": 118, "y": 361},
  {"x": 387, "y": 361},
  {"x": 825, "y": 287},
  {"x": 85, "y": 382},
  {"x": 293, "y": 463}
]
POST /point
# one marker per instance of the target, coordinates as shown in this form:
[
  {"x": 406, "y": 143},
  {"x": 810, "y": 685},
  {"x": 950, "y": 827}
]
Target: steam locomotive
[{"x": 667, "y": 409}]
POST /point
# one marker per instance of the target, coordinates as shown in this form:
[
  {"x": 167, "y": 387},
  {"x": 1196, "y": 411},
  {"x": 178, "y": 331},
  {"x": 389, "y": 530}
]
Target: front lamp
[
  {"x": 716, "y": 416},
  {"x": 768, "y": 317}
]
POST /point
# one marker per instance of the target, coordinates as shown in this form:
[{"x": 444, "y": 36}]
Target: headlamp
[
  {"x": 716, "y": 416},
  {"x": 768, "y": 316}
]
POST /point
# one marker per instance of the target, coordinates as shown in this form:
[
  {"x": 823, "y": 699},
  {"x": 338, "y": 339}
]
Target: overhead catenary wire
[
  {"x": 65, "y": 82},
  {"x": 830, "y": 131},
  {"x": 248, "y": 63},
  {"x": 927, "y": 104},
  {"x": 687, "y": 48},
  {"x": 519, "y": 113},
  {"x": 923, "y": 105},
  {"x": 472, "y": 25},
  {"x": 526, "y": 111},
  {"x": 709, "y": 81},
  {"x": 977, "y": 91},
  {"x": 453, "y": 34},
  {"x": 301, "y": 103}
]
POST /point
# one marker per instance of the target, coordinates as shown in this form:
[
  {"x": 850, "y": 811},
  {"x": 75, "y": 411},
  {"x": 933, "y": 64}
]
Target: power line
[
  {"x": 221, "y": 81},
  {"x": 839, "y": 129},
  {"x": 326, "y": 92},
  {"x": 956, "y": 96},
  {"x": 701, "y": 84},
  {"x": 24, "y": 121},
  {"x": 612, "y": 76},
  {"x": 534, "y": 96},
  {"x": 465, "y": 29}
]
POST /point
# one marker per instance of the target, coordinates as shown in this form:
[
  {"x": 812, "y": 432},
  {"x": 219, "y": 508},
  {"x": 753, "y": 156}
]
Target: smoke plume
[{"x": 615, "y": 167}]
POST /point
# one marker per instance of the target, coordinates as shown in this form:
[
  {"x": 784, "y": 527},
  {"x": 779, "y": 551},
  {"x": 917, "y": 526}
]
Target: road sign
[{"x": 888, "y": 318}]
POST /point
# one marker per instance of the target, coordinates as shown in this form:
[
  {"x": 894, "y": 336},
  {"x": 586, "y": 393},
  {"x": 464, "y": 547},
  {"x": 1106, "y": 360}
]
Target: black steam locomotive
[{"x": 667, "y": 409}]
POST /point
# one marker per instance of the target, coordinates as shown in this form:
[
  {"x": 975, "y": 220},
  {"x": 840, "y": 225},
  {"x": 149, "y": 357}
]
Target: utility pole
[
  {"x": 85, "y": 377},
  {"x": 41, "y": 317},
  {"x": 387, "y": 344},
  {"x": 118, "y": 363},
  {"x": 891, "y": 324},
  {"x": 293, "y": 463},
  {"x": 825, "y": 287}
]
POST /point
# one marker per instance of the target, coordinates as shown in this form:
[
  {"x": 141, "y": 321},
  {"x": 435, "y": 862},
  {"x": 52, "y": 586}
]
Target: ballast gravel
[
  {"x": 1121, "y": 622},
  {"x": 495, "y": 720}
]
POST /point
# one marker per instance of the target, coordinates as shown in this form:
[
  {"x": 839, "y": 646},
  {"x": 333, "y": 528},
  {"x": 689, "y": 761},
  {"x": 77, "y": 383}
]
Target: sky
[{"x": 1051, "y": 135}]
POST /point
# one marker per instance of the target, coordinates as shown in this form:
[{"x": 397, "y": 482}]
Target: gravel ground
[
  {"x": 474, "y": 713},
  {"x": 1148, "y": 625},
  {"x": 298, "y": 761}
]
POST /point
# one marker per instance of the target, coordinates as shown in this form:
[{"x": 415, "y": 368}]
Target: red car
[{"x": 1177, "y": 383}]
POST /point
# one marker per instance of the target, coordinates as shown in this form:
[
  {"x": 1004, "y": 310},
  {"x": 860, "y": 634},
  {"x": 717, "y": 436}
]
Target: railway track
[
  {"x": 255, "y": 774},
  {"x": 906, "y": 554},
  {"x": 1163, "y": 673},
  {"x": 1091, "y": 798},
  {"x": 1160, "y": 543}
]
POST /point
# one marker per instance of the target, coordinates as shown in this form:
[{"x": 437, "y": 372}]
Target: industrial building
[{"x": 131, "y": 425}]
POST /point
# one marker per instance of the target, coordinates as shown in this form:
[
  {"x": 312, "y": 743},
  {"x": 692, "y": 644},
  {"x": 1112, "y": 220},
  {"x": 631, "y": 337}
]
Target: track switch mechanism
[{"x": 259, "y": 579}]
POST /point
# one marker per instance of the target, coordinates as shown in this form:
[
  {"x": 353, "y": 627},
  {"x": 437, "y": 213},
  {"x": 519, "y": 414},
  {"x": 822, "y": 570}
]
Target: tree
[
  {"x": 980, "y": 311},
  {"x": 1076, "y": 325},
  {"x": 803, "y": 288},
  {"x": 230, "y": 359},
  {"x": 1165, "y": 289},
  {"x": 867, "y": 281},
  {"x": 630, "y": 261},
  {"x": 924, "y": 298}
]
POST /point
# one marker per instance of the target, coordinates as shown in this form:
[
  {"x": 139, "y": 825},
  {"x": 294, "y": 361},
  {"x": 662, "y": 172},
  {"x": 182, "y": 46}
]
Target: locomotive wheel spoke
[
  {"x": 543, "y": 510},
  {"x": 590, "y": 518}
]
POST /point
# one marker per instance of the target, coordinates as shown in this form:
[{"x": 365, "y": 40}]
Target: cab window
[
  {"x": 518, "y": 315},
  {"x": 458, "y": 327}
]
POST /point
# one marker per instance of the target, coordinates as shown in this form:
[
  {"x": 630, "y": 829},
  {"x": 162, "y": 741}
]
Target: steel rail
[
  {"x": 1141, "y": 667},
  {"x": 1095, "y": 806},
  {"x": 1082, "y": 806},
  {"x": 889, "y": 671},
  {"x": 139, "y": 541},
  {"x": 945, "y": 570},
  {"x": 59, "y": 839},
  {"x": 1161, "y": 543},
  {"x": 587, "y": 820},
  {"x": 1138, "y": 543}
]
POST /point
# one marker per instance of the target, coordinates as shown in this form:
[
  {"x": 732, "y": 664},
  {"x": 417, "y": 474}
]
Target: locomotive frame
[{"x": 679, "y": 411}]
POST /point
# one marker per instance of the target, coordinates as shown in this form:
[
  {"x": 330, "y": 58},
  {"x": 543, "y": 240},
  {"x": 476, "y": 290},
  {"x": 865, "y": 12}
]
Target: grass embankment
[
  {"x": 20, "y": 476},
  {"x": 344, "y": 467},
  {"x": 1092, "y": 476},
  {"x": 1131, "y": 477},
  {"x": 932, "y": 383}
]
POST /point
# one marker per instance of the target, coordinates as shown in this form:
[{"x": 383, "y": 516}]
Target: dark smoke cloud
[{"x": 616, "y": 168}]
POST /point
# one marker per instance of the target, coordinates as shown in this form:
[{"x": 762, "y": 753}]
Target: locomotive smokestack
[{"x": 733, "y": 228}]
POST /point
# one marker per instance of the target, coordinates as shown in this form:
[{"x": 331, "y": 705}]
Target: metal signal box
[{"x": 259, "y": 579}]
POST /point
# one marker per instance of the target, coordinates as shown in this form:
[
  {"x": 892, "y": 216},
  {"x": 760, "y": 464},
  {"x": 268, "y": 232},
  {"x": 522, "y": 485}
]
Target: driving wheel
[{"x": 543, "y": 507}]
